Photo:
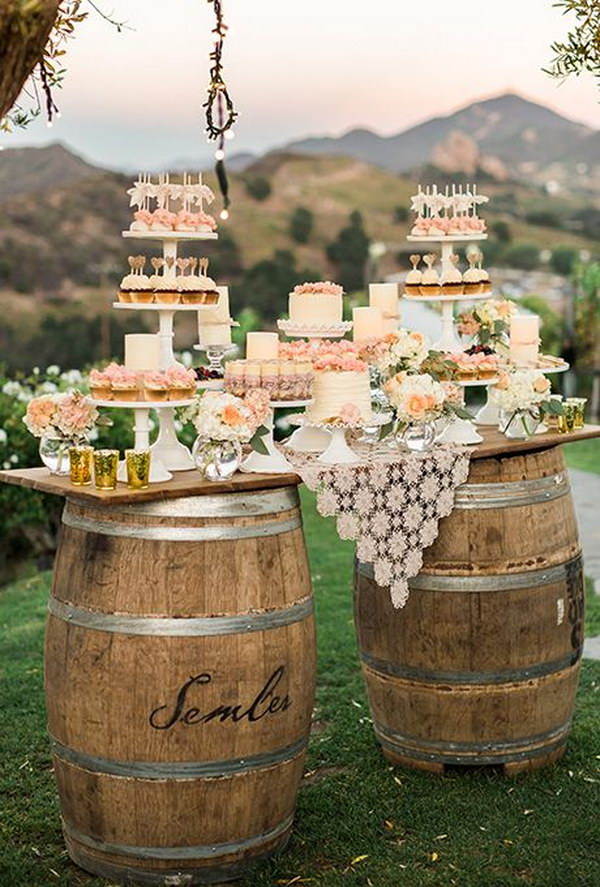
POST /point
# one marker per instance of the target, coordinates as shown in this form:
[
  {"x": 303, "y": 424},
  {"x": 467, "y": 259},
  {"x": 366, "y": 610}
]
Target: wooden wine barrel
[
  {"x": 482, "y": 665},
  {"x": 180, "y": 670}
]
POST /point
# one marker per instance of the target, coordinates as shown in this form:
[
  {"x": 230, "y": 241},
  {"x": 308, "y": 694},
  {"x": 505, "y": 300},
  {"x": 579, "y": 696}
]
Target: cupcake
[
  {"x": 451, "y": 279},
  {"x": 100, "y": 385},
  {"x": 124, "y": 385},
  {"x": 430, "y": 281},
  {"x": 135, "y": 285},
  {"x": 156, "y": 386},
  {"x": 465, "y": 368},
  {"x": 484, "y": 277},
  {"x": 167, "y": 292},
  {"x": 412, "y": 284},
  {"x": 182, "y": 383},
  {"x": 488, "y": 366},
  {"x": 198, "y": 289},
  {"x": 473, "y": 283}
]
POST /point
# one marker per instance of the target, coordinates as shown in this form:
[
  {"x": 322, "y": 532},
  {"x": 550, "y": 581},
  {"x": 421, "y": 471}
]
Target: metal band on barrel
[
  {"x": 476, "y": 584},
  {"x": 506, "y": 676},
  {"x": 264, "y": 502},
  {"x": 178, "y": 770},
  {"x": 205, "y": 626},
  {"x": 181, "y": 533},
  {"x": 512, "y": 494},
  {"x": 472, "y": 752},
  {"x": 200, "y": 852}
]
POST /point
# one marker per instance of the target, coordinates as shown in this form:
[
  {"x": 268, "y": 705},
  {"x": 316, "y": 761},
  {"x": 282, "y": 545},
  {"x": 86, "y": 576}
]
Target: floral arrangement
[
  {"x": 219, "y": 416},
  {"x": 419, "y": 398},
  {"x": 488, "y": 323},
  {"x": 524, "y": 394},
  {"x": 402, "y": 350},
  {"x": 70, "y": 415}
]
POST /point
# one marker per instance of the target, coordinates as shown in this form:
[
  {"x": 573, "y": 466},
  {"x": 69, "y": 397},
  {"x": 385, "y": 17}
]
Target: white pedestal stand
[
  {"x": 463, "y": 431},
  {"x": 273, "y": 462},
  {"x": 338, "y": 452}
]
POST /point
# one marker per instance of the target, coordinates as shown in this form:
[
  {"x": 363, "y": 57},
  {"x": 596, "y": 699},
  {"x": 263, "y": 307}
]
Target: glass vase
[
  {"x": 518, "y": 425},
  {"x": 418, "y": 437},
  {"x": 216, "y": 459},
  {"x": 54, "y": 452}
]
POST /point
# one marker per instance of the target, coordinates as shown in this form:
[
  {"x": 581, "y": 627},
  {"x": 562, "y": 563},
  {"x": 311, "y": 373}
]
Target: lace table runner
[{"x": 390, "y": 502}]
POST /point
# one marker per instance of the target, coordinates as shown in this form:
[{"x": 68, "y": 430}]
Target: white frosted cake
[
  {"x": 316, "y": 304},
  {"x": 338, "y": 383}
]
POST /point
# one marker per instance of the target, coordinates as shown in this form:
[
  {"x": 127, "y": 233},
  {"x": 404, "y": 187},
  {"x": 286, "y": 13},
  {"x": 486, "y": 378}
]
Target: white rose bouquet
[
  {"x": 219, "y": 416},
  {"x": 404, "y": 350},
  {"x": 420, "y": 398},
  {"x": 524, "y": 395},
  {"x": 488, "y": 323}
]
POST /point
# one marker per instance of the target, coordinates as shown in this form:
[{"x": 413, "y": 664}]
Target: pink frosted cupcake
[
  {"x": 101, "y": 385},
  {"x": 156, "y": 386},
  {"x": 182, "y": 383},
  {"x": 124, "y": 385}
]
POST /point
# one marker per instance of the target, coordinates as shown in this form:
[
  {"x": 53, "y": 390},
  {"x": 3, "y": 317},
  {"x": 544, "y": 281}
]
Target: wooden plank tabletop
[{"x": 189, "y": 483}]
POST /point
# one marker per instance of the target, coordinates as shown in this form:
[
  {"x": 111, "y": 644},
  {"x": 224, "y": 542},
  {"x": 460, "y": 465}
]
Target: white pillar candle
[
  {"x": 262, "y": 346},
  {"x": 384, "y": 296},
  {"x": 214, "y": 323},
  {"x": 142, "y": 352},
  {"x": 368, "y": 323},
  {"x": 524, "y": 329}
]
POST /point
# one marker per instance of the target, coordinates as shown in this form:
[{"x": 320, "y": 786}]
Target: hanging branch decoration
[
  {"x": 220, "y": 111},
  {"x": 580, "y": 51}
]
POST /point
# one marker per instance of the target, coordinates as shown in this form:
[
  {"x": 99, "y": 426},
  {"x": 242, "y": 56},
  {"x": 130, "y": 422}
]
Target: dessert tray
[
  {"x": 169, "y": 234},
  {"x": 463, "y": 297},
  {"x": 312, "y": 331}
]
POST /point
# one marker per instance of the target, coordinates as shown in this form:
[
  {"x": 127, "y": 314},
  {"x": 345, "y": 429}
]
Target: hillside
[
  {"x": 508, "y": 136},
  {"x": 25, "y": 170},
  {"x": 54, "y": 239}
]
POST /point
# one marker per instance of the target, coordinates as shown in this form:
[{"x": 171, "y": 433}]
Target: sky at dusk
[{"x": 133, "y": 99}]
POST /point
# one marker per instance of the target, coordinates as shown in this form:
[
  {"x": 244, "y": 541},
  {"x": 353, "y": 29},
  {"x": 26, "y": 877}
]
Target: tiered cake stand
[
  {"x": 312, "y": 438},
  {"x": 461, "y": 431},
  {"x": 168, "y": 453}
]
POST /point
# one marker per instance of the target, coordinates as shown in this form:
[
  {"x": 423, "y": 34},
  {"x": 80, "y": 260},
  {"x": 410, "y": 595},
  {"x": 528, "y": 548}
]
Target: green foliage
[
  {"x": 580, "y": 50},
  {"x": 401, "y": 214},
  {"x": 587, "y": 314},
  {"x": 523, "y": 255},
  {"x": 501, "y": 231},
  {"x": 551, "y": 323},
  {"x": 257, "y": 187},
  {"x": 563, "y": 260},
  {"x": 266, "y": 284},
  {"x": 301, "y": 224},
  {"x": 349, "y": 252},
  {"x": 543, "y": 217}
]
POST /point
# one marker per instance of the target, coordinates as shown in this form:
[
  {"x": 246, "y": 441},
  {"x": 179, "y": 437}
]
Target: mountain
[
  {"x": 507, "y": 136},
  {"x": 25, "y": 170}
]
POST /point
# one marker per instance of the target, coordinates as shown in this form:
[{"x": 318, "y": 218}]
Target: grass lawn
[
  {"x": 585, "y": 454},
  {"x": 359, "y": 821}
]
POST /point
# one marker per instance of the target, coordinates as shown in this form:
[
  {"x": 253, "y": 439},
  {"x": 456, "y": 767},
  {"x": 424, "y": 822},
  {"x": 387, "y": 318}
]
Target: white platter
[
  {"x": 170, "y": 235},
  {"x": 143, "y": 404},
  {"x": 159, "y": 306},
  {"x": 471, "y": 297},
  {"x": 449, "y": 238}
]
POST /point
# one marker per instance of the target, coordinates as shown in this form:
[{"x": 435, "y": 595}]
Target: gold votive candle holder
[
  {"x": 137, "y": 463},
  {"x": 106, "y": 463},
  {"x": 80, "y": 465},
  {"x": 552, "y": 419},
  {"x": 580, "y": 404},
  {"x": 566, "y": 422}
]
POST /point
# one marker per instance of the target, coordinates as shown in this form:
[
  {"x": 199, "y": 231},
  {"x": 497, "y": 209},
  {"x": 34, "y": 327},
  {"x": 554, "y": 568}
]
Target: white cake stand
[
  {"x": 273, "y": 462},
  {"x": 311, "y": 331},
  {"x": 337, "y": 452},
  {"x": 167, "y": 453}
]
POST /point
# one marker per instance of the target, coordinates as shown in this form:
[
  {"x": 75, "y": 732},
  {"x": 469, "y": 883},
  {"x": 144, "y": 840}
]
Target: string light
[
  {"x": 220, "y": 111},
  {"x": 224, "y": 214}
]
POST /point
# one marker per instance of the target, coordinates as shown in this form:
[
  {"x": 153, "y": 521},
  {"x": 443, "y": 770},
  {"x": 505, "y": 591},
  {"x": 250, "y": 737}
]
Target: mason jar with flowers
[
  {"x": 60, "y": 421},
  {"x": 224, "y": 422},
  {"x": 418, "y": 402},
  {"x": 523, "y": 398}
]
